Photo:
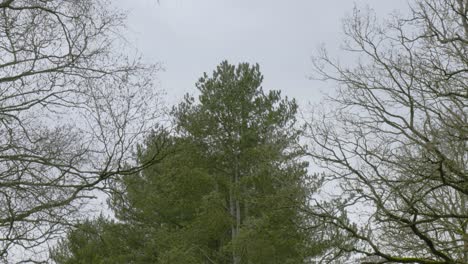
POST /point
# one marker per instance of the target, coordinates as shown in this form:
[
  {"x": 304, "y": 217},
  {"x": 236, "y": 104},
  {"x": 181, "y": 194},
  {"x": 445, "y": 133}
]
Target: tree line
[{"x": 377, "y": 174}]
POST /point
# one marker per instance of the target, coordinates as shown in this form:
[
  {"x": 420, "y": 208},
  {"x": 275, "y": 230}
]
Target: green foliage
[
  {"x": 251, "y": 144},
  {"x": 177, "y": 201},
  {"x": 230, "y": 189},
  {"x": 103, "y": 242}
]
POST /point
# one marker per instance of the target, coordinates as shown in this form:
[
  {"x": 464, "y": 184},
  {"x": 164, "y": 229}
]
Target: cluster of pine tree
[{"x": 228, "y": 187}]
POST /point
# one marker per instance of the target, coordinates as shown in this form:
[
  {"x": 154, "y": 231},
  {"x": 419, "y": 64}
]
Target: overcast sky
[{"x": 190, "y": 37}]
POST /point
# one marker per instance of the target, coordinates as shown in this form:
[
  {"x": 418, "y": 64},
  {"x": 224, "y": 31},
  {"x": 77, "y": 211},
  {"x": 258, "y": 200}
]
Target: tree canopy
[
  {"x": 72, "y": 105},
  {"x": 231, "y": 189},
  {"x": 377, "y": 173},
  {"x": 395, "y": 140}
]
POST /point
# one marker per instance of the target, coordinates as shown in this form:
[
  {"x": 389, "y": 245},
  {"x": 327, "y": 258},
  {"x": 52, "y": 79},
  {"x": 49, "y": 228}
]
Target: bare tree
[
  {"x": 71, "y": 110},
  {"x": 395, "y": 140}
]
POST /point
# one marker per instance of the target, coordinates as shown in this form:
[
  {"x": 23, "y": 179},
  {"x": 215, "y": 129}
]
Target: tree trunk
[
  {"x": 237, "y": 210},
  {"x": 232, "y": 211}
]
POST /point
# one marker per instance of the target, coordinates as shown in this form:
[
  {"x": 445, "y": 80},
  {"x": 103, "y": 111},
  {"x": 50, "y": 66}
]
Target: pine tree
[
  {"x": 231, "y": 188},
  {"x": 250, "y": 141}
]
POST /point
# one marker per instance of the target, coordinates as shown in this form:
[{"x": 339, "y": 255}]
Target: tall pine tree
[
  {"x": 250, "y": 140},
  {"x": 230, "y": 189}
]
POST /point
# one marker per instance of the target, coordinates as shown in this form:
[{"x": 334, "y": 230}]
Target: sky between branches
[{"x": 190, "y": 37}]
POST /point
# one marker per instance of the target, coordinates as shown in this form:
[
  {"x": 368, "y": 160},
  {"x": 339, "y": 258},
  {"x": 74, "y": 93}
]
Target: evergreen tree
[
  {"x": 100, "y": 241},
  {"x": 250, "y": 141},
  {"x": 231, "y": 188}
]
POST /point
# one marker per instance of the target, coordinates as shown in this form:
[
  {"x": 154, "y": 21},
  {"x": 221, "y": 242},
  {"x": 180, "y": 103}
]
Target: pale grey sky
[{"x": 193, "y": 36}]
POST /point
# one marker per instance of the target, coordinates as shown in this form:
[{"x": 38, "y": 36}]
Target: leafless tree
[
  {"x": 394, "y": 145},
  {"x": 72, "y": 106}
]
